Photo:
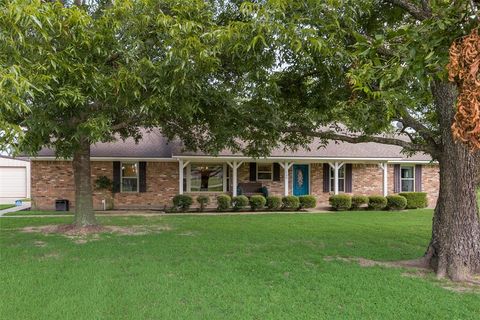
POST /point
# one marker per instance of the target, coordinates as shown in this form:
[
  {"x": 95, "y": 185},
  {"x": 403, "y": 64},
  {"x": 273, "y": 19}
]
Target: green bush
[
  {"x": 203, "y": 200},
  {"x": 290, "y": 203},
  {"x": 396, "y": 202},
  {"x": 103, "y": 183},
  {"x": 415, "y": 200},
  {"x": 358, "y": 201},
  {"x": 182, "y": 202},
  {"x": 274, "y": 203},
  {"x": 257, "y": 202},
  {"x": 307, "y": 202},
  {"x": 340, "y": 202},
  {"x": 239, "y": 202},
  {"x": 377, "y": 202},
  {"x": 223, "y": 202}
]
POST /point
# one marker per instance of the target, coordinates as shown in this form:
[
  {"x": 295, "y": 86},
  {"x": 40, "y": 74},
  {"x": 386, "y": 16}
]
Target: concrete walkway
[{"x": 24, "y": 206}]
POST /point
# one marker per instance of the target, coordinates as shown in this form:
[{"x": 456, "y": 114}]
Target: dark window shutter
[
  {"x": 253, "y": 171},
  {"x": 418, "y": 178},
  {"x": 142, "y": 176},
  {"x": 396, "y": 178},
  {"x": 348, "y": 178},
  {"x": 326, "y": 177},
  {"x": 276, "y": 172},
  {"x": 116, "y": 176}
]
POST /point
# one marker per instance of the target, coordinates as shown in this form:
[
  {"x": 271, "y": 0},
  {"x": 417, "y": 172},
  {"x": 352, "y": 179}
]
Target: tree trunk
[
  {"x": 454, "y": 249},
  {"x": 84, "y": 214}
]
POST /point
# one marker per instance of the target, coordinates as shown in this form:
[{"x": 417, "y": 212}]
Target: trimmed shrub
[
  {"x": 203, "y": 200},
  {"x": 358, "y": 201},
  {"x": 415, "y": 200},
  {"x": 274, "y": 203},
  {"x": 257, "y": 202},
  {"x": 307, "y": 202},
  {"x": 340, "y": 202},
  {"x": 377, "y": 202},
  {"x": 239, "y": 202},
  {"x": 396, "y": 202},
  {"x": 223, "y": 202},
  {"x": 182, "y": 202},
  {"x": 290, "y": 203}
]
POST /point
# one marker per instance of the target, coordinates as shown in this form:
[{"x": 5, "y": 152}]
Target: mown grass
[
  {"x": 226, "y": 267},
  {"x": 35, "y": 212},
  {"x": 6, "y": 206}
]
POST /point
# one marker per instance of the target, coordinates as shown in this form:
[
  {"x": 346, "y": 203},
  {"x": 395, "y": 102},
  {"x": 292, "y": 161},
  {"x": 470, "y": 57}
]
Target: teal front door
[{"x": 301, "y": 181}]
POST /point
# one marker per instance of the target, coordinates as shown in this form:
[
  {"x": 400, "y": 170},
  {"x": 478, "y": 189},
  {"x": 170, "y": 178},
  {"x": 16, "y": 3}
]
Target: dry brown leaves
[
  {"x": 91, "y": 233},
  {"x": 464, "y": 70}
]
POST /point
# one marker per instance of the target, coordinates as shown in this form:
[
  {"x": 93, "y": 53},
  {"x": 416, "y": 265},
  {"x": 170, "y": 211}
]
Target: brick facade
[{"x": 53, "y": 180}]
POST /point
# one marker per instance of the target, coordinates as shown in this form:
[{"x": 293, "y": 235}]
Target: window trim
[
  {"x": 137, "y": 176},
  {"x": 408, "y": 179},
  {"x": 332, "y": 177},
  {"x": 263, "y": 171},
  {"x": 188, "y": 177}
]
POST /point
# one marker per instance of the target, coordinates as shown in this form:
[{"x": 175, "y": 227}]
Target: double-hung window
[
  {"x": 407, "y": 178},
  {"x": 206, "y": 177},
  {"x": 341, "y": 179},
  {"x": 264, "y": 171},
  {"x": 129, "y": 177}
]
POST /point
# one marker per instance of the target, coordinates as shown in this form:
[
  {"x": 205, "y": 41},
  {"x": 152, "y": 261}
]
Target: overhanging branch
[
  {"x": 414, "y": 10},
  {"x": 332, "y": 135}
]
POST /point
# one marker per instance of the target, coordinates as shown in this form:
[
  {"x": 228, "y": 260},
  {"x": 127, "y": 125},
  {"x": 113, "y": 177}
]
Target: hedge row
[
  {"x": 257, "y": 202},
  {"x": 409, "y": 200}
]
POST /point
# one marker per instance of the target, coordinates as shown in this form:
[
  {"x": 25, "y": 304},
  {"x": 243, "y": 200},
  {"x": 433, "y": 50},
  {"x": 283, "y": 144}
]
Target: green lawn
[
  {"x": 34, "y": 212},
  {"x": 226, "y": 267},
  {"x": 6, "y": 206}
]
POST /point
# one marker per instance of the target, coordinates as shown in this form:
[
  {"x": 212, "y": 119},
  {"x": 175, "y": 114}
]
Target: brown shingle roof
[{"x": 155, "y": 145}]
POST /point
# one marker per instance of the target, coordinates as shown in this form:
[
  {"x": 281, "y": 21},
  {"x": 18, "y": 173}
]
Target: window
[
  {"x": 407, "y": 178},
  {"x": 129, "y": 177},
  {"x": 264, "y": 171},
  {"x": 206, "y": 177},
  {"x": 227, "y": 179},
  {"x": 341, "y": 179}
]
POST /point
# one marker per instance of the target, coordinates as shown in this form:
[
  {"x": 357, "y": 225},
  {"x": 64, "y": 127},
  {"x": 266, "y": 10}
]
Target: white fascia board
[
  {"x": 278, "y": 158},
  {"x": 108, "y": 159},
  {"x": 413, "y": 162}
]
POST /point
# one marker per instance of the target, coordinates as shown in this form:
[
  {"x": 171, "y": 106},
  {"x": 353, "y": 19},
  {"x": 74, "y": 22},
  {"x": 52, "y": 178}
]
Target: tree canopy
[{"x": 247, "y": 76}]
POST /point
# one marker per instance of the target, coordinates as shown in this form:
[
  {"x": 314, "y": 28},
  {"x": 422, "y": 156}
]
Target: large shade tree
[
  {"x": 365, "y": 71},
  {"x": 74, "y": 73},
  {"x": 367, "y": 65}
]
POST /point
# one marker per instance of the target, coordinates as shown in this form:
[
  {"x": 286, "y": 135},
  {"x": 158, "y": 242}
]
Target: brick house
[{"x": 150, "y": 173}]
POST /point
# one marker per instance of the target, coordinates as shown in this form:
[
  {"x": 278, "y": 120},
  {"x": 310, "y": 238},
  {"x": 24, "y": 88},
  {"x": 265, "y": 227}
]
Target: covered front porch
[{"x": 280, "y": 176}]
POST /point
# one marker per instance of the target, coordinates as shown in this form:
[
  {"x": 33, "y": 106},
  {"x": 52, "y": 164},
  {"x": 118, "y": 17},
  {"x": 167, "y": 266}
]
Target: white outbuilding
[{"x": 14, "y": 179}]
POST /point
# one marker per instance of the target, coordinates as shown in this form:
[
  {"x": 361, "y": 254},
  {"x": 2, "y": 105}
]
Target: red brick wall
[
  {"x": 53, "y": 180},
  {"x": 431, "y": 183}
]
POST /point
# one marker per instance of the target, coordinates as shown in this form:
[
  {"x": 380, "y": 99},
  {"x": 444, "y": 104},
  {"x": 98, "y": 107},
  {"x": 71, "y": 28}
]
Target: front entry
[{"x": 301, "y": 183}]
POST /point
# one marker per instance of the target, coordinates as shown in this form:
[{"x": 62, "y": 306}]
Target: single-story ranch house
[{"x": 149, "y": 174}]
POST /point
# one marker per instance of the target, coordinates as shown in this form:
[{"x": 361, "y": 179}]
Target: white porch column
[
  {"x": 234, "y": 165},
  {"x": 384, "y": 167},
  {"x": 180, "y": 176},
  {"x": 335, "y": 180},
  {"x": 234, "y": 179},
  {"x": 335, "y": 166},
  {"x": 181, "y": 166},
  {"x": 286, "y": 166}
]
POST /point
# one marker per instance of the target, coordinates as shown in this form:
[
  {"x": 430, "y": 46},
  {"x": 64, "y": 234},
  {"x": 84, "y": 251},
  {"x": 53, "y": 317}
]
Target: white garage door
[{"x": 13, "y": 182}]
